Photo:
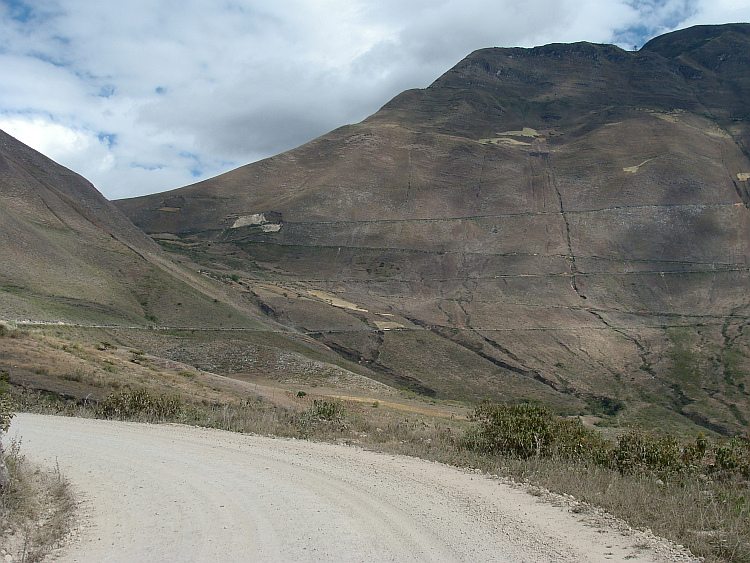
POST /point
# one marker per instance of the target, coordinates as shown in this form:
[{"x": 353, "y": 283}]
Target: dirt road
[{"x": 177, "y": 493}]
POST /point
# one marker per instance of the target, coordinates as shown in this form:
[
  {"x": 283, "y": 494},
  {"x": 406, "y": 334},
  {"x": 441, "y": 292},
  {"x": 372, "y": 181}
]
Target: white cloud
[
  {"x": 719, "y": 11},
  {"x": 149, "y": 95},
  {"x": 61, "y": 143}
]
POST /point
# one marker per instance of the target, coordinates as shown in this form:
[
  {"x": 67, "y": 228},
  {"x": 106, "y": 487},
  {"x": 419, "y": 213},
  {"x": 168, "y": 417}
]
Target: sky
[{"x": 146, "y": 96}]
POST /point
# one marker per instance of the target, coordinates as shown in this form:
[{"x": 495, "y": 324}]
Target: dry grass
[
  {"x": 710, "y": 518},
  {"x": 36, "y": 510}
]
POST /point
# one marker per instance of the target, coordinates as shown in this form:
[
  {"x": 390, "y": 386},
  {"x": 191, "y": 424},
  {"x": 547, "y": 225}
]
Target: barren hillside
[{"x": 567, "y": 223}]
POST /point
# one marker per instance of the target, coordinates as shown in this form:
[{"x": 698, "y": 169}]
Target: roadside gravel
[{"x": 179, "y": 493}]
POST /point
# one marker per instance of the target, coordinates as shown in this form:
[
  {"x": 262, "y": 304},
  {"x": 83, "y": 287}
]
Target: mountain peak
[{"x": 688, "y": 40}]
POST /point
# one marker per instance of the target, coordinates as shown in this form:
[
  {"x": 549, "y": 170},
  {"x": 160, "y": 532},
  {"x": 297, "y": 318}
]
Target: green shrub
[
  {"x": 327, "y": 410},
  {"x": 733, "y": 458},
  {"x": 520, "y": 430},
  {"x": 642, "y": 452},
  {"x": 694, "y": 455},
  {"x": 527, "y": 430},
  {"x": 321, "y": 414},
  {"x": 572, "y": 440}
]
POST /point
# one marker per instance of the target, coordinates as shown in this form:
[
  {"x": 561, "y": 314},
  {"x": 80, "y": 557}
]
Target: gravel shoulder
[{"x": 179, "y": 493}]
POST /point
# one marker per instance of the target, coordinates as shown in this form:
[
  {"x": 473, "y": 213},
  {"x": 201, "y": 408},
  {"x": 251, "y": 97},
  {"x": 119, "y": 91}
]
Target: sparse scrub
[
  {"x": 141, "y": 405},
  {"x": 74, "y": 376},
  {"x": 327, "y": 410},
  {"x": 6, "y": 402},
  {"x": 36, "y": 509},
  {"x": 44, "y": 402},
  {"x": 693, "y": 492},
  {"x": 137, "y": 356},
  {"x": 253, "y": 415},
  {"x": 10, "y": 332},
  {"x": 321, "y": 417},
  {"x": 694, "y": 513}
]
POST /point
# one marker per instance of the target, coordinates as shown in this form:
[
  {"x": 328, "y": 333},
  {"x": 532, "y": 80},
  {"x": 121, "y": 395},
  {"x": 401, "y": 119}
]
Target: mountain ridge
[{"x": 70, "y": 254}]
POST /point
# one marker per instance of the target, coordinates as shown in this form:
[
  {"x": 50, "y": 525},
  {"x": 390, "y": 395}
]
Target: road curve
[{"x": 177, "y": 493}]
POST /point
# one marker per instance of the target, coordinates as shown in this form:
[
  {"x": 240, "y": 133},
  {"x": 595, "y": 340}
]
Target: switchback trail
[{"x": 162, "y": 493}]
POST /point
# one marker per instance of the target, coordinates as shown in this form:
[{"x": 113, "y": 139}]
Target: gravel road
[{"x": 177, "y": 493}]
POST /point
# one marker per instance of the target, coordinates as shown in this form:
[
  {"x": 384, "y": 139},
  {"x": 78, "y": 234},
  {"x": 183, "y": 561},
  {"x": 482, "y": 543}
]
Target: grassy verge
[
  {"x": 709, "y": 518},
  {"x": 36, "y": 509},
  {"x": 695, "y": 494}
]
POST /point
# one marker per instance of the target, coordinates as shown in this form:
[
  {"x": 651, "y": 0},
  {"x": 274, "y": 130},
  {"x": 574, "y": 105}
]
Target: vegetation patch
[
  {"x": 322, "y": 417},
  {"x": 691, "y": 491},
  {"x": 605, "y": 406},
  {"x": 684, "y": 360},
  {"x": 10, "y": 332},
  {"x": 140, "y": 405},
  {"x": 36, "y": 506},
  {"x": 37, "y": 509}
]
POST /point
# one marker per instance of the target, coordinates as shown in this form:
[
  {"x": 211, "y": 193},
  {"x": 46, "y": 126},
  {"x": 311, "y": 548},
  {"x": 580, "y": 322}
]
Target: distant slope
[
  {"x": 566, "y": 223},
  {"x": 68, "y": 254}
]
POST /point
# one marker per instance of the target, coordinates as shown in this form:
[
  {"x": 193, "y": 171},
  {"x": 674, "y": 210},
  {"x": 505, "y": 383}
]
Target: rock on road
[{"x": 177, "y": 493}]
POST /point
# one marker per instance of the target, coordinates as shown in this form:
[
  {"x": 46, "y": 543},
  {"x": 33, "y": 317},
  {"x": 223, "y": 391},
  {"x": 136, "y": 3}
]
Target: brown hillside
[
  {"x": 68, "y": 254},
  {"x": 566, "y": 223}
]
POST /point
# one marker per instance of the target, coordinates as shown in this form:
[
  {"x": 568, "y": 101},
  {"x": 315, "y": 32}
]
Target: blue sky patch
[
  {"x": 107, "y": 90},
  {"x": 19, "y": 11},
  {"x": 109, "y": 139}
]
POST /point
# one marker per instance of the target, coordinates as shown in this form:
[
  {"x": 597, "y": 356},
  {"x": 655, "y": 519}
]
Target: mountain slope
[
  {"x": 68, "y": 254},
  {"x": 566, "y": 223}
]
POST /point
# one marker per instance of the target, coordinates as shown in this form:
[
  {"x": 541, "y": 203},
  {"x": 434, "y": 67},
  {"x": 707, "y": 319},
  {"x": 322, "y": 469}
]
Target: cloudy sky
[{"x": 143, "y": 96}]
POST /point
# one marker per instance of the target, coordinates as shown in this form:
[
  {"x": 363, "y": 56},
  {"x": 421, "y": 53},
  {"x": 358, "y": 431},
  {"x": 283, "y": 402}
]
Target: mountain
[
  {"x": 70, "y": 255},
  {"x": 567, "y": 223},
  {"x": 70, "y": 259}
]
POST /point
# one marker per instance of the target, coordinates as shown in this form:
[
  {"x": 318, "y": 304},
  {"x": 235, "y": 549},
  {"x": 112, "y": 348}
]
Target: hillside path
[{"x": 177, "y": 493}]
